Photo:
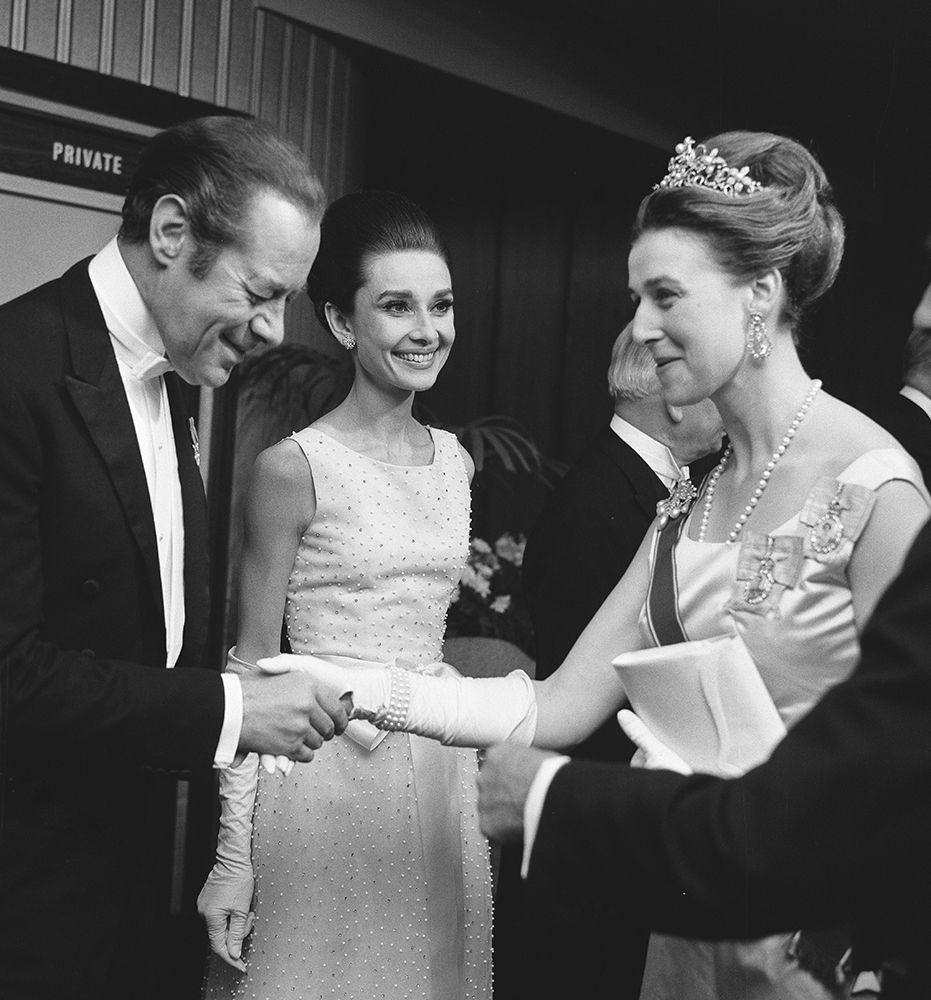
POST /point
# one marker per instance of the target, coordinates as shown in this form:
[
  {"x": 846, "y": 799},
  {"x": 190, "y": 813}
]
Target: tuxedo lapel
[
  {"x": 196, "y": 599},
  {"x": 700, "y": 468},
  {"x": 646, "y": 487},
  {"x": 96, "y": 390}
]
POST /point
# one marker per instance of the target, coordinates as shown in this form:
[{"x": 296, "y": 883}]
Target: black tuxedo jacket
[
  {"x": 592, "y": 525},
  {"x": 908, "y": 423},
  {"x": 835, "y": 824},
  {"x": 85, "y": 700}
]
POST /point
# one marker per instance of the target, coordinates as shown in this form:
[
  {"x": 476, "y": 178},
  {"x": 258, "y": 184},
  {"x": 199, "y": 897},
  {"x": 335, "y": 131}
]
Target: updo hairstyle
[
  {"x": 356, "y": 228},
  {"x": 793, "y": 226}
]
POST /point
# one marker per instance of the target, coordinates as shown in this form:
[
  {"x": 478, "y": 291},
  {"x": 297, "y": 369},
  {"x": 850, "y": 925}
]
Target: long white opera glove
[
  {"x": 437, "y": 702},
  {"x": 225, "y": 902}
]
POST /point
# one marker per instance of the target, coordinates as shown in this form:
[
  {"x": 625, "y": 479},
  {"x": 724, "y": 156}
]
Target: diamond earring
[{"x": 759, "y": 346}]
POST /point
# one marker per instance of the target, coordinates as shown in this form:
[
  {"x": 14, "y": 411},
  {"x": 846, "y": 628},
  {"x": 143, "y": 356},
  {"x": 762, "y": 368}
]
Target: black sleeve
[
  {"x": 57, "y": 700},
  {"x": 837, "y": 820},
  {"x": 575, "y": 556}
]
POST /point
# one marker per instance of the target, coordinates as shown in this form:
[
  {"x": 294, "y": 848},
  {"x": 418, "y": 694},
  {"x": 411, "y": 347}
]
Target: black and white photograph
[{"x": 465, "y": 529}]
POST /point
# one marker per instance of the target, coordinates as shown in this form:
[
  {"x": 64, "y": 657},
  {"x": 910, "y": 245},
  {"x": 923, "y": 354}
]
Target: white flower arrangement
[{"x": 488, "y": 600}]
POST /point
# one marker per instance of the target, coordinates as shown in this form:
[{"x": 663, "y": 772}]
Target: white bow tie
[{"x": 151, "y": 366}]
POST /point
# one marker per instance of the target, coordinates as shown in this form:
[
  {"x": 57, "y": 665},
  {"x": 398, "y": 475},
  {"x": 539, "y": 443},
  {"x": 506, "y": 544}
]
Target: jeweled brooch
[
  {"x": 758, "y": 588},
  {"x": 681, "y": 497},
  {"x": 828, "y": 531}
]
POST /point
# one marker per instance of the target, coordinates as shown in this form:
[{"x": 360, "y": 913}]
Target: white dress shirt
[
  {"x": 917, "y": 397},
  {"x": 653, "y": 452},
  {"x": 660, "y": 459},
  {"x": 140, "y": 356}
]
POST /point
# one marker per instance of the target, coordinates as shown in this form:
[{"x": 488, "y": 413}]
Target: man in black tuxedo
[
  {"x": 103, "y": 573},
  {"x": 835, "y": 825},
  {"x": 579, "y": 548},
  {"x": 908, "y": 416}
]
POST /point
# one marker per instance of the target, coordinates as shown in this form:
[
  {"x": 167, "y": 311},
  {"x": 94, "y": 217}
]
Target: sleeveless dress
[
  {"x": 372, "y": 877},
  {"x": 797, "y": 623}
]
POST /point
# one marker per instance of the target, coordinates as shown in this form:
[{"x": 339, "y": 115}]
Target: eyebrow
[
  {"x": 271, "y": 290},
  {"x": 406, "y": 293},
  {"x": 663, "y": 279},
  {"x": 651, "y": 283}
]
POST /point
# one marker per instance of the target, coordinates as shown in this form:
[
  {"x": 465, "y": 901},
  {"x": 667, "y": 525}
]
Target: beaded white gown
[{"x": 372, "y": 877}]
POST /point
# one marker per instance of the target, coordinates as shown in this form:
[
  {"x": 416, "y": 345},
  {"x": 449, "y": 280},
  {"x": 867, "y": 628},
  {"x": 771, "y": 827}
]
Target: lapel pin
[{"x": 195, "y": 442}]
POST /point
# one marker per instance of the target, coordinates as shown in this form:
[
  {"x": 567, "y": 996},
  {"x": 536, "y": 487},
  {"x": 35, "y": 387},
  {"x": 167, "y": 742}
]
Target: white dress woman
[{"x": 371, "y": 876}]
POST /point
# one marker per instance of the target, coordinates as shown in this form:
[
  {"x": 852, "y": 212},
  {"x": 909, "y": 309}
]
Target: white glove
[
  {"x": 439, "y": 703},
  {"x": 225, "y": 902},
  {"x": 651, "y": 753}
]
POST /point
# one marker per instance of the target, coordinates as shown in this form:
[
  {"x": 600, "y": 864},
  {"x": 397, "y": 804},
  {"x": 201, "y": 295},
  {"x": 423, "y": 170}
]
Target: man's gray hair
[{"x": 632, "y": 373}]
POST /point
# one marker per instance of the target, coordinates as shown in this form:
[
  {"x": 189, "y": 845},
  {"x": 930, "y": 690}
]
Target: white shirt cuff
[
  {"x": 232, "y": 721},
  {"x": 533, "y": 807}
]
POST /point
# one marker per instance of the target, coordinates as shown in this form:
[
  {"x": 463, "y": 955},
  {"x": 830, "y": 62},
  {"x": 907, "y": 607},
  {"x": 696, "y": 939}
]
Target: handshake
[{"x": 293, "y": 704}]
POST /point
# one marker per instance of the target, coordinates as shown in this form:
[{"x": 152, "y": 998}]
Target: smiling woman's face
[
  {"x": 402, "y": 319},
  {"x": 690, "y": 313}
]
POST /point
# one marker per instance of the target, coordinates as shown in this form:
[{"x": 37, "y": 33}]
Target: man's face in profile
[{"x": 210, "y": 323}]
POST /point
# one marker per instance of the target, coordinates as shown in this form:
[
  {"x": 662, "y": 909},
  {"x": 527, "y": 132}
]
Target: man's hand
[
  {"x": 504, "y": 780},
  {"x": 287, "y": 714},
  {"x": 651, "y": 753}
]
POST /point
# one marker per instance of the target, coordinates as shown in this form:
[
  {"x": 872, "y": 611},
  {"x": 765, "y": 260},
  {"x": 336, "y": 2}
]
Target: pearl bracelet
[{"x": 394, "y": 717}]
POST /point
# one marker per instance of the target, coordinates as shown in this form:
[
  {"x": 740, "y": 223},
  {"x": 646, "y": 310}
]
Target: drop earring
[{"x": 759, "y": 346}]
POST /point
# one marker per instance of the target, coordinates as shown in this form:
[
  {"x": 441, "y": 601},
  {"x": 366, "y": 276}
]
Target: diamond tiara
[{"x": 694, "y": 166}]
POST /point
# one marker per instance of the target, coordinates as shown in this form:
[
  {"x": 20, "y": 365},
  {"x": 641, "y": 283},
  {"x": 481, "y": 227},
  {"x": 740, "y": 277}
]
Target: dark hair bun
[{"x": 356, "y": 228}]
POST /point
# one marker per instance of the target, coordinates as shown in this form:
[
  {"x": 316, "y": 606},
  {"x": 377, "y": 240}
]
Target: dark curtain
[{"x": 535, "y": 210}]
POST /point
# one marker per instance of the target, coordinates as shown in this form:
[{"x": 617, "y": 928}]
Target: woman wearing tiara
[
  {"x": 788, "y": 545},
  {"x": 371, "y": 876}
]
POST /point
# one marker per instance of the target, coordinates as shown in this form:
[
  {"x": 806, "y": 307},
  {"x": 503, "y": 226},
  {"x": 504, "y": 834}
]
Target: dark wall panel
[
  {"x": 41, "y": 27},
  {"x": 127, "y": 39},
  {"x": 273, "y": 38},
  {"x": 533, "y": 263},
  {"x": 205, "y": 50},
  {"x": 85, "y": 34},
  {"x": 319, "y": 103},
  {"x": 167, "y": 66},
  {"x": 225, "y": 53},
  {"x": 238, "y": 79},
  {"x": 291, "y": 118},
  {"x": 466, "y": 386},
  {"x": 598, "y": 263}
]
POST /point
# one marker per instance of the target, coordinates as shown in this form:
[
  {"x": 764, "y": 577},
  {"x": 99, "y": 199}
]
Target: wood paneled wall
[{"x": 229, "y": 53}]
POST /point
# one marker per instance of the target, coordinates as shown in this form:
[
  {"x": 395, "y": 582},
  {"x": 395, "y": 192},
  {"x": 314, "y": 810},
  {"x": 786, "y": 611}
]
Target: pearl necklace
[{"x": 763, "y": 481}]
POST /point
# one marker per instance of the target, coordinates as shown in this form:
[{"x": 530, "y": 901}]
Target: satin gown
[
  {"x": 803, "y": 639},
  {"x": 372, "y": 877}
]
